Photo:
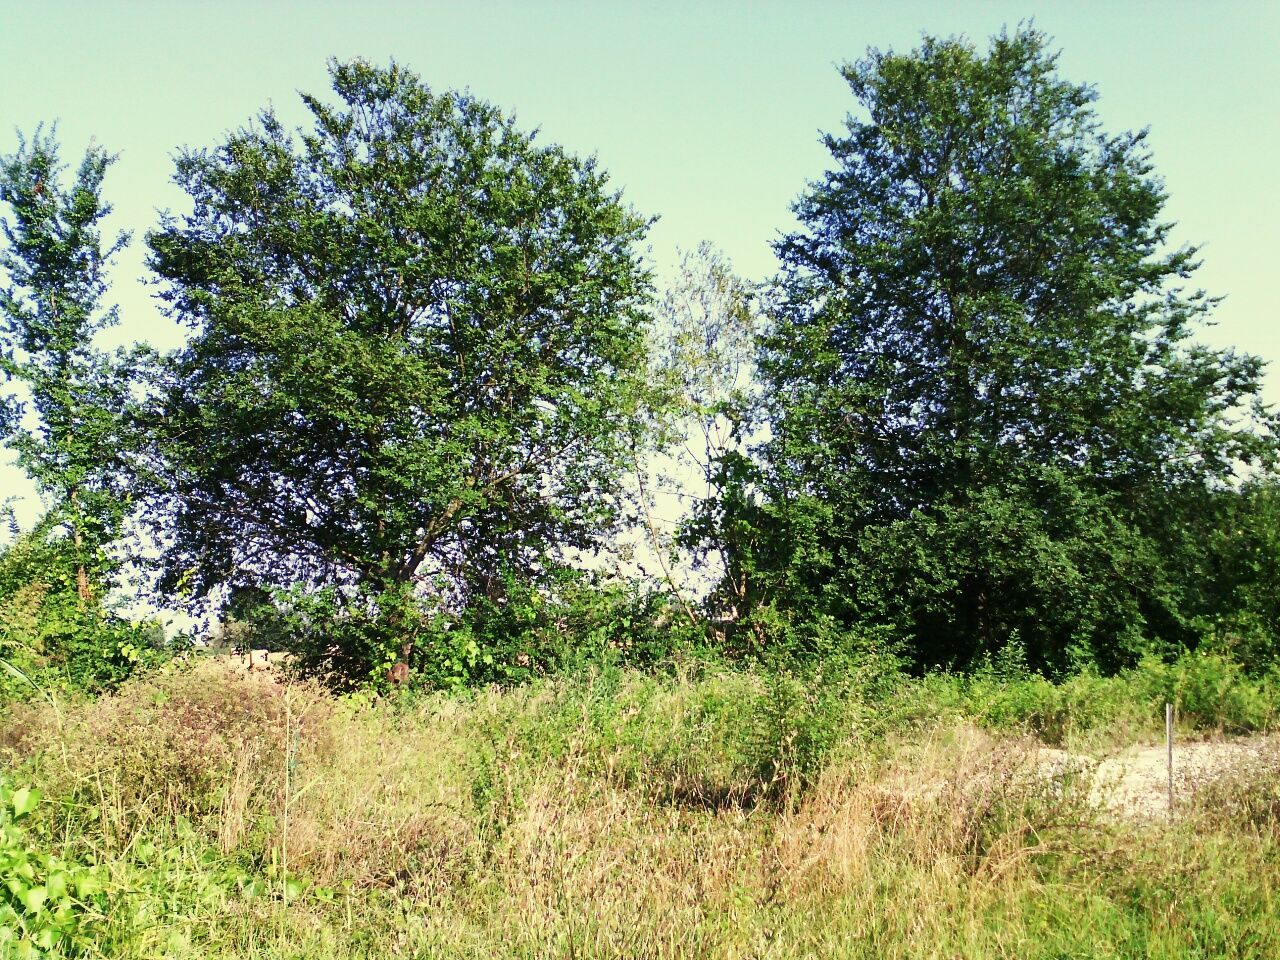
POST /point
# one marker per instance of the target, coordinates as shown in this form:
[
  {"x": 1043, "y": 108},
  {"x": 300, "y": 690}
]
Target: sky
[{"x": 707, "y": 114}]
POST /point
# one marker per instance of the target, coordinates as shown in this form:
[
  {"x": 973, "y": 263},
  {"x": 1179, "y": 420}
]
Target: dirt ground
[{"x": 1135, "y": 782}]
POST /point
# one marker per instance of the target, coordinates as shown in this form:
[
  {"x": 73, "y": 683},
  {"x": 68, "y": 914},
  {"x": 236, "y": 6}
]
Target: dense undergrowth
[{"x": 705, "y": 811}]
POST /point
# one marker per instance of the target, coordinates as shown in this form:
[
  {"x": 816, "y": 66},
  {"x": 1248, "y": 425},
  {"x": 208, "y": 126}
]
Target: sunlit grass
[{"x": 711, "y": 812}]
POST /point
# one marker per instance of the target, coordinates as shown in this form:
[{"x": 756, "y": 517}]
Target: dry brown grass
[{"x": 551, "y": 822}]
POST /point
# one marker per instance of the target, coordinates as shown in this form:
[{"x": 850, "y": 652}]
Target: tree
[
  {"x": 67, "y": 417},
  {"x": 990, "y": 423},
  {"x": 417, "y": 359},
  {"x": 1242, "y": 562},
  {"x": 703, "y": 346},
  {"x": 55, "y": 260}
]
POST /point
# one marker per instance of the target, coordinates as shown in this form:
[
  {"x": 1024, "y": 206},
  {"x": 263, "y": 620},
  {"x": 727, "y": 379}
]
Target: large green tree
[
  {"x": 990, "y": 422},
  {"x": 417, "y": 353}
]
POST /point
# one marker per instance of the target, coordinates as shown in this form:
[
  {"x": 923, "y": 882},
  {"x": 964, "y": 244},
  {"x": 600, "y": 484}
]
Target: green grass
[{"x": 706, "y": 812}]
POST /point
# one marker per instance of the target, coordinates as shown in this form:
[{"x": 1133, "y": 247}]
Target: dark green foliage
[
  {"x": 582, "y": 619},
  {"x": 528, "y": 631},
  {"x": 988, "y": 420},
  {"x": 1244, "y": 580},
  {"x": 416, "y": 364}
]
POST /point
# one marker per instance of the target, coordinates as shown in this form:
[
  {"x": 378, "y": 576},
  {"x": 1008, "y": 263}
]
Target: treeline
[{"x": 429, "y": 371}]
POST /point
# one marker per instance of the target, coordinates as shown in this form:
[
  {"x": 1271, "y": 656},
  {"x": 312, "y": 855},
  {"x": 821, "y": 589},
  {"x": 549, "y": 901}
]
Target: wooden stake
[{"x": 1168, "y": 740}]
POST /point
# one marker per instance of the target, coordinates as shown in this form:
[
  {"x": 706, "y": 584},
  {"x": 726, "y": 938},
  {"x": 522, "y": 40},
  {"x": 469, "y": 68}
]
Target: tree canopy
[
  {"x": 968, "y": 419},
  {"x": 417, "y": 354},
  {"x": 989, "y": 420},
  {"x": 67, "y": 418}
]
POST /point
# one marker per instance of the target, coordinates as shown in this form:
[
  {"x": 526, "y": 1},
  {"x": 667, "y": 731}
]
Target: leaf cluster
[{"x": 48, "y": 906}]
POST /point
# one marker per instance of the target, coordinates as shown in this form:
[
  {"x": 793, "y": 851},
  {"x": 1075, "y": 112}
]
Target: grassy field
[{"x": 702, "y": 812}]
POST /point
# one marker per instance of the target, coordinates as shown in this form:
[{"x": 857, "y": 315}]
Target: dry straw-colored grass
[{"x": 619, "y": 819}]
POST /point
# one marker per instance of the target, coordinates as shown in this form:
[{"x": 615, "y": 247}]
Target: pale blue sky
[{"x": 707, "y": 114}]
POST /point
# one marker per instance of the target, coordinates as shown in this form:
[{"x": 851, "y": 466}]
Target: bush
[
  {"x": 1210, "y": 692},
  {"x": 198, "y": 744},
  {"x": 519, "y": 633},
  {"x": 48, "y": 906},
  {"x": 55, "y": 634}
]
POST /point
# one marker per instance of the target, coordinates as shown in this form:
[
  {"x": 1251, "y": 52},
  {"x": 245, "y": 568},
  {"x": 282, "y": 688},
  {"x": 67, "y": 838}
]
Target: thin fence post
[{"x": 1168, "y": 740}]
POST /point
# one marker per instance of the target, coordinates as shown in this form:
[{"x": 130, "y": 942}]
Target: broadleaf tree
[
  {"x": 705, "y": 353},
  {"x": 990, "y": 421},
  {"x": 67, "y": 409},
  {"x": 416, "y": 364}
]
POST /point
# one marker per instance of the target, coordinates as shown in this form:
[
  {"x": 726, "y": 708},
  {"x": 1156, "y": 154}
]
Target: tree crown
[
  {"x": 418, "y": 346},
  {"x": 985, "y": 396}
]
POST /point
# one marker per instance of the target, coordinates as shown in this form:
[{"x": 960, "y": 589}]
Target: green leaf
[
  {"x": 57, "y": 884},
  {"x": 34, "y": 899},
  {"x": 87, "y": 884},
  {"x": 25, "y": 800}
]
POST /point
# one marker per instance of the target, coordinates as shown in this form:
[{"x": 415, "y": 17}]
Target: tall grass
[{"x": 712, "y": 812}]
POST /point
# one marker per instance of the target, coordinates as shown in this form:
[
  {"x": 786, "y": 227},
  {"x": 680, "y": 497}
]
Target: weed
[{"x": 700, "y": 812}]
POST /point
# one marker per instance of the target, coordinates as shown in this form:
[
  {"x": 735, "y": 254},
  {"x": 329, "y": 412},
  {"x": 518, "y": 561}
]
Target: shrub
[
  {"x": 207, "y": 743},
  {"x": 521, "y": 632},
  {"x": 54, "y": 634},
  {"x": 48, "y": 906},
  {"x": 1211, "y": 691}
]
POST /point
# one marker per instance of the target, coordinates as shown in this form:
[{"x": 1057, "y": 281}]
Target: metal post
[{"x": 1168, "y": 740}]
